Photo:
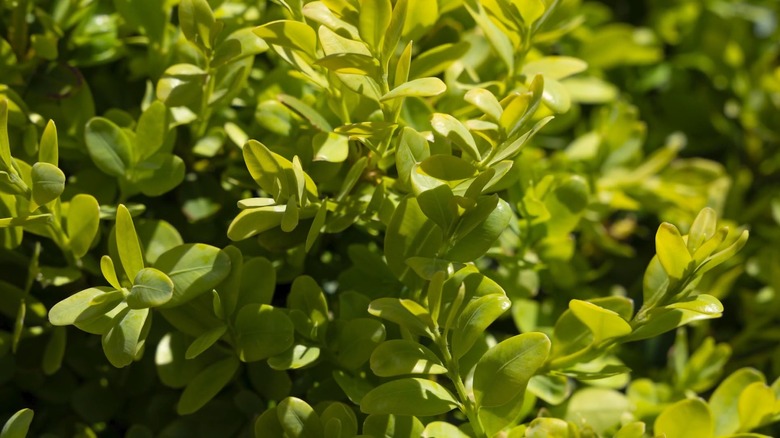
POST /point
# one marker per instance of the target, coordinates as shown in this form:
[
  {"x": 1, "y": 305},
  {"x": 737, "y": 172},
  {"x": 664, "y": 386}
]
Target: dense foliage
[{"x": 338, "y": 218}]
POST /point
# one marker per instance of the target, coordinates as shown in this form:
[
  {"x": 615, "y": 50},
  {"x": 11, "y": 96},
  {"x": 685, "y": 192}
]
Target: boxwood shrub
[{"x": 389, "y": 218}]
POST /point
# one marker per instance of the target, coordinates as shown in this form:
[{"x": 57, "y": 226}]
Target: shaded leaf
[{"x": 206, "y": 385}]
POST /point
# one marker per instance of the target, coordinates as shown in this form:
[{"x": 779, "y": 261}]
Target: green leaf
[
  {"x": 412, "y": 149},
  {"x": 555, "y": 96},
  {"x": 48, "y": 183},
  {"x": 531, "y": 10},
  {"x": 82, "y": 306},
  {"x": 554, "y": 67},
  {"x": 436, "y": 429},
  {"x": 159, "y": 174},
  {"x": 343, "y": 414},
  {"x": 423, "y": 87},
  {"x": 601, "y": 408},
  {"x": 392, "y": 38},
  {"x": 204, "y": 342},
  {"x": 19, "y": 423},
  {"x": 83, "y": 223},
  {"x": 306, "y": 296},
  {"x": 664, "y": 319},
  {"x": 262, "y": 331},
  {"x": 404, "y": 63},
  {"x": 756, "y": 406},
  {"x": 194, "y": 269},
  {"x": 474, "y": 321},
  {"x": 543, "y": 427},
  {"x": 406, "y": 313},
  {"x": 486, "y": 102},
  {"x": 398, "y": 357},
  {"x": 392, "y": 426},
  {"x": 55, "y": 351},
  {"x": 702, "y": 229},
  {"x": 125, "y": 339},
  {"x": 255, "y": 220},
  {"x": 109, "y": 272},
  {"x": 127, "y": 243},
  {"x": 374, "y": 19},
  {"x": 504, "y": 371},
  {"x": 290, "y": 216},
  {"x": 724, "y": 254},
  {"x": 5, "y": 145},
  {"x": 550, "y": 388},
  {"x": 329, "y": 15},
  {"x": 685, "y": 419},
  {"x": 331, "y": 147},
  {"x": 498, "y": 39},
  {"x": 566, "y": 204},
  {"x": 151, "y": 288},
  {"x": 237, "y": 46},
  {"x": 298, "y": 419},
  {"x": 307, "y": 112},
  {"x": 49, "y": 150},
  {"x": 603, "y": 323},
  {"x": 479, "y": 228},
  {"x": 316, "y": 225},
  {"x": 297, "y": 356},
  {"x": 452, "y": 129},
  {"x": 410, "y": 396},
  {"x": 181, "y": 85},
  {"x": 290, "y": 34},
  {"x": 356, "y": 339},
  {"x": 635, "y": 429},
  {"x": 267, "y": 424},
  {"x": 197, "y": 22},
  {"x": 672, "y": 251},
  {"x": 437, "y": 59},
  {"x": 350, "y": 63},
  {"x": 725, "y": 400},
  {"x": 439, "y": 205},
  {"x": 206, "y": 385},
  {"x": 108, "y": 146},
  {"x": 258, "y": 281},
  {"x": 151, "y": 130}
]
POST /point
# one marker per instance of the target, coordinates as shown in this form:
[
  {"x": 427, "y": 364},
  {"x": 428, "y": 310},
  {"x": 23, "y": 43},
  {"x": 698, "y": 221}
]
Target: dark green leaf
[
  {"x": 204, "y": 342},
  {"x": 262, "y": 331},
  {"x": 406, "y": 313},
  {"x": 206, "y": 385},
  {"x": 109, "y": 147},
  {"x": 410, "y": 396},
  {"x": 398, "y": 357}
]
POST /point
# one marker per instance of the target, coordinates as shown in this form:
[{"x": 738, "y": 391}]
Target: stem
[
  {"x": 206, "y": 109},
  {"x": 469, "y": 407}
]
